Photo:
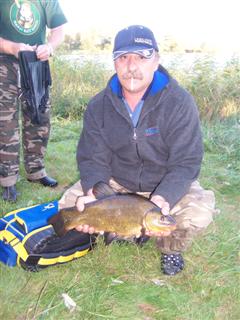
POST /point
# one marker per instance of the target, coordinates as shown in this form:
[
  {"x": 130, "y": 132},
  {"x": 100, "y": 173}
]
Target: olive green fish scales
[{"x": 126, "y": 215}]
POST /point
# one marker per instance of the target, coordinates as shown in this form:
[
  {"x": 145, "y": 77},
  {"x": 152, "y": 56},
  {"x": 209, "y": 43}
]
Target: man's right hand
[
  {"x": 81, "y": 201},
  {"x": 80, "y": 204},
  {"x": 16, "y": 47}
]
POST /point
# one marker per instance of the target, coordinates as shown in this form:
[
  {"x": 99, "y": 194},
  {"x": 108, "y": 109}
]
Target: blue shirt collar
[{"x": 160, "y": 80}]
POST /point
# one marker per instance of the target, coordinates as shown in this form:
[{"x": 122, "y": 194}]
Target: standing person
[
  {"x": 142, "y": 134},
  {"x": 23, "y": 25}
]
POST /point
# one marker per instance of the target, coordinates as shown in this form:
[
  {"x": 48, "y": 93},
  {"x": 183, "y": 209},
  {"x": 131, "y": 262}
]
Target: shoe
[
  {"x": 10, "y": 193},
  {"x": 171, "y": 264},
  {"x": 46, "y": 182}
]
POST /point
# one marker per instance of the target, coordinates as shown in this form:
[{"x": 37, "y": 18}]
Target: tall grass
[
  {"x": 74, "y": 85},
  {"x": 216, "y": 89}
]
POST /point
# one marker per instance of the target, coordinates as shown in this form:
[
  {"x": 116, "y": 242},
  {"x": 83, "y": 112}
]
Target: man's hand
[
  {"x": 85, "y": 228},
  {"x": 16, "y": 47},
  {"x": 158, "y": 234},
  {"x": 81, "y": 201},
  {"x": 161, "y": 203},
  {"x": 165, "y": 208},
  {"x": 44, "y": 51},
  {"x": 80, "y": 204}
]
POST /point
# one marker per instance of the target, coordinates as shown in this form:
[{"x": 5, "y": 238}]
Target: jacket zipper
[
  {"x": 141, "y": 167},
  {"x": 134, "y": 134}
]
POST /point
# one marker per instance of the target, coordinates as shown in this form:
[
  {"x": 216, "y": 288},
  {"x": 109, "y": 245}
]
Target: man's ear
[
  {"x": 157, "y": 64},
  {"x": 156, "y": 61}
]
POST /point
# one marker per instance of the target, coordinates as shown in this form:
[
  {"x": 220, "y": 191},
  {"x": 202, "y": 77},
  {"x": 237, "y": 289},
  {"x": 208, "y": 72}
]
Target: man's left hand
[
  {"x": 165, "y": 208},
  {"x": 44, "y": 51},
  {"x": 161, "y": 203}
]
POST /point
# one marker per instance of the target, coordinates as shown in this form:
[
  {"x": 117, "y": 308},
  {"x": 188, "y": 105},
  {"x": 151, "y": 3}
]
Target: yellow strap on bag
[{"x": 15, "y": 243}]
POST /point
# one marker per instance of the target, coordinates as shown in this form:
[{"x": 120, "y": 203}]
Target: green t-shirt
[{"x": 26, "y": 21}]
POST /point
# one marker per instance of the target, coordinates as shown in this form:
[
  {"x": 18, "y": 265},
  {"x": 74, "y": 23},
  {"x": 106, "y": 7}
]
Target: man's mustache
[{"x": 134, "y": 75}]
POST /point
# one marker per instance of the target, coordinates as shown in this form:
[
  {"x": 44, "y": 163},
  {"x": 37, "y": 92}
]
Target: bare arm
[
  {"x": 43, "y": 51},
  {"x": 55, "y": 38},
  {"x": 10, "y": 47}
]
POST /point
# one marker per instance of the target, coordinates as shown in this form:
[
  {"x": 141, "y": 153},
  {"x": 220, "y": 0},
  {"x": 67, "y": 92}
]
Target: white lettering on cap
[{"x": 143, "y": 40}]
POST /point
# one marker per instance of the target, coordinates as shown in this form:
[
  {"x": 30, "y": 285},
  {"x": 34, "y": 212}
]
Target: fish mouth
[{"x": 168, "y": 220}]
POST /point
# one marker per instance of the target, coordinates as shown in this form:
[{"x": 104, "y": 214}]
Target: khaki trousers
[{"x": 193, "y": 213}]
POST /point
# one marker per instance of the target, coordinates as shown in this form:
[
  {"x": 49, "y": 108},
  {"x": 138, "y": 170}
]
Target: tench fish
[{"x": 127, "y": 215}]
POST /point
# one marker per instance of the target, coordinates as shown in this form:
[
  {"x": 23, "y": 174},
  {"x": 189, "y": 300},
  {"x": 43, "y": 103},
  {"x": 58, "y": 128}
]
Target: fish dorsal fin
[{"x": 102, "y": 190}]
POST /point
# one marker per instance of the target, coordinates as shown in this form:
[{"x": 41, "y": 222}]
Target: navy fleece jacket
[{"x": 161, "y": 155}]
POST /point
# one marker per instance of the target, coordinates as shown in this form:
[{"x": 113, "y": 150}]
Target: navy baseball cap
[{"x": 135, "y": 39}]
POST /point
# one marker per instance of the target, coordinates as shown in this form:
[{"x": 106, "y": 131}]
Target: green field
[{"x": 125, "y": 281}]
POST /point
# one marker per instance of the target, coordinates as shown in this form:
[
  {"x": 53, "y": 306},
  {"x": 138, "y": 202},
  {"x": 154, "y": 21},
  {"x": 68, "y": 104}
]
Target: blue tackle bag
[{"x": 27, "y": 240}]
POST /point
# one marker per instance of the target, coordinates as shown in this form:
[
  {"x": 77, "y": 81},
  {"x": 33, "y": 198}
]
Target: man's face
[{"x": 135, "y": 72}]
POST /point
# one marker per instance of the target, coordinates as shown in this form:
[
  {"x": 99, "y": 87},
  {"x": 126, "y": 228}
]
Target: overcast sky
[{"x": 192, "y": 22}]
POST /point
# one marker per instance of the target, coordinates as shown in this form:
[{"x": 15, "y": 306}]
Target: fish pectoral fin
[
  {"x": 143, "y": 231},
  {"x": 53, "y": 219},
  {"x": 102, "y": 190}
]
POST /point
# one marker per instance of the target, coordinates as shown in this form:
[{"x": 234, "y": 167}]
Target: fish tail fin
[
  {"x": 57, "y": 222},
  {"x": 102, "y": 190}
]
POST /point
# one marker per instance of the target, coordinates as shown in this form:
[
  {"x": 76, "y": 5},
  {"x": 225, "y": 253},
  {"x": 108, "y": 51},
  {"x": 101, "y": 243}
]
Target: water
[
  {"x": 104, "y": 59},
  {"x": 186, "y": 60}
]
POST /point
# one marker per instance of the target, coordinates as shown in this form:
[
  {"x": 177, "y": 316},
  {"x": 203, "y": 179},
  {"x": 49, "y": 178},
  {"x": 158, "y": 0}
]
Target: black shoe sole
[{"x": 44, "y": 184}]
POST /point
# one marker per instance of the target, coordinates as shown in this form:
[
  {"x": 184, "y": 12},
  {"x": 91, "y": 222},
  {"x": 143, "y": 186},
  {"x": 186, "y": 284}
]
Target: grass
[{"x": 124, "y": 281}]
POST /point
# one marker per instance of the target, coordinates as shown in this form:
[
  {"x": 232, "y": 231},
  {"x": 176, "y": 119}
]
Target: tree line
[{"x": 94, "y": 42}]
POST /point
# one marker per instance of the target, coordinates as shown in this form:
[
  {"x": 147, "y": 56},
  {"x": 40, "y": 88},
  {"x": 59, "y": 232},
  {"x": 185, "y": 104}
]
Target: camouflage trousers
[
  {"x": 193, "y": 213},
  {"x": 34, "y": 137}
]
